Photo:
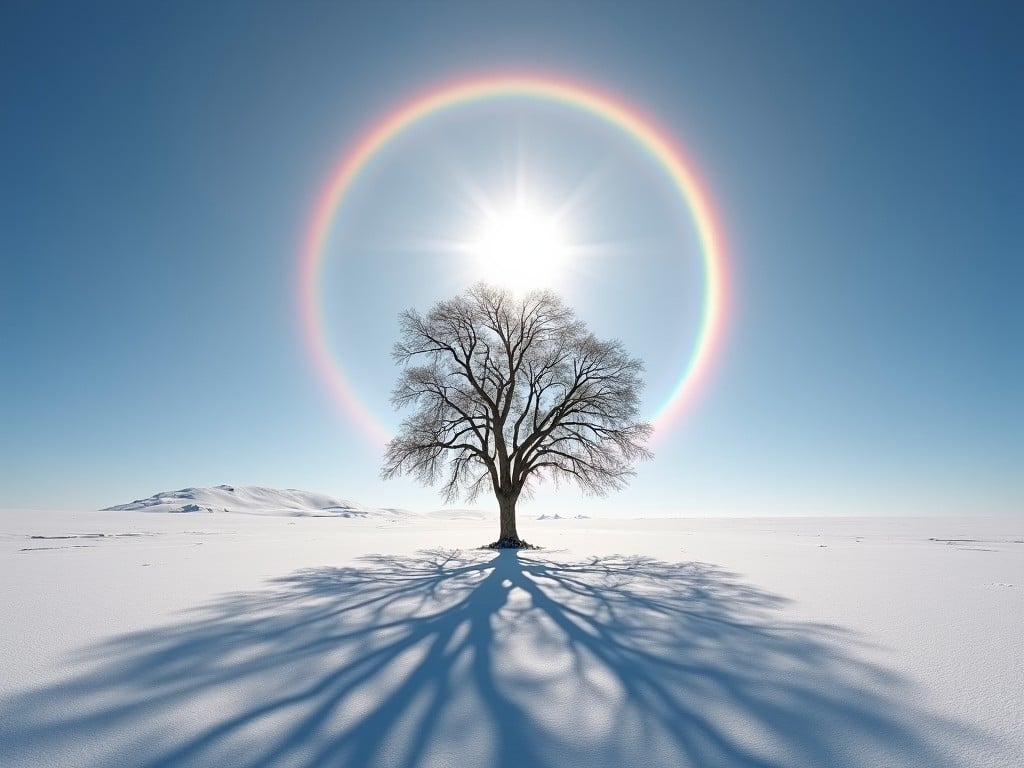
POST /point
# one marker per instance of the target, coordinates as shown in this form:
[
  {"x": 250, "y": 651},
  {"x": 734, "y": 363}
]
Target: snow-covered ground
[{"x": 321, "y": 633}]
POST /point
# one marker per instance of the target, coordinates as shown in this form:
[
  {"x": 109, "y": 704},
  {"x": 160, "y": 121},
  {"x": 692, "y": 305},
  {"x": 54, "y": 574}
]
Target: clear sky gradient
[{"x": 159, "y": 163}]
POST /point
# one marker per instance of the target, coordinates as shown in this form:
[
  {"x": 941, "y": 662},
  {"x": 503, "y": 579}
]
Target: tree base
[{"x": 508, "y": 543}]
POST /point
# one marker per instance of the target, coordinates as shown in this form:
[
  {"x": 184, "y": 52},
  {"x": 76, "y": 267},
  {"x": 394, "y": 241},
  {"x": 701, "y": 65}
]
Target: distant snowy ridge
[
  {"x": 557, "y": 516},
  {"x": 256, "y": 500}
]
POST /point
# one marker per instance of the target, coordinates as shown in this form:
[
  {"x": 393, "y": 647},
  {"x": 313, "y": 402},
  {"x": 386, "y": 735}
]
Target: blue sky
[{"x": 159, "y": 163}]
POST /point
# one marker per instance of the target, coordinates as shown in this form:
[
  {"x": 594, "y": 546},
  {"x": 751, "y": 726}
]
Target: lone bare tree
[{"x": 510, "y": 391}]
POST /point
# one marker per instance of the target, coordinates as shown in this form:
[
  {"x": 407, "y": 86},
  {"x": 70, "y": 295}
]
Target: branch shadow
[{"x": 454, "y": 658}]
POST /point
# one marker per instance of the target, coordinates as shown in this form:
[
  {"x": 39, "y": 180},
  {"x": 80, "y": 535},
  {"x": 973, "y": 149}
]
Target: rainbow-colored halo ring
[{"x": 585, "y": 98}]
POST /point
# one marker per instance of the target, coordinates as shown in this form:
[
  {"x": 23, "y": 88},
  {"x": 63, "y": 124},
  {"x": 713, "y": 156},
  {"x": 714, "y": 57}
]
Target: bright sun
[{"x": 520, "y": 249}]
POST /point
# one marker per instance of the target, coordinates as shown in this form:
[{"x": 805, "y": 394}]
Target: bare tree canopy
[{"x": 508, "y": 392}]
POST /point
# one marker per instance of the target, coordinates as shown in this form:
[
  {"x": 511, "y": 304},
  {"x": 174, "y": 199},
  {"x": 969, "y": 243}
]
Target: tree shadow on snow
[{"x": 466, "y": 659}]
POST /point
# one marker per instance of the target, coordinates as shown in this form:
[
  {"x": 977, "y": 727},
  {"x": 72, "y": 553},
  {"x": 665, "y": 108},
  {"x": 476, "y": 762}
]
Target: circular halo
[{"x": 654, "y": 141}]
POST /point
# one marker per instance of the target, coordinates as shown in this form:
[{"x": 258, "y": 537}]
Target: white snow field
[{"x": 297, "y": 630}]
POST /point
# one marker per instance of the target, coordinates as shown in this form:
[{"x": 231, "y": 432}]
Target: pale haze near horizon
[{"x": 160, "y": 167}]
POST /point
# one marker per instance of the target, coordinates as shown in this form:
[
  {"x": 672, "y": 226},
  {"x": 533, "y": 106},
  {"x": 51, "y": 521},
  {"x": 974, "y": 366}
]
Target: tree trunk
[{"x": 508, "y": 537}]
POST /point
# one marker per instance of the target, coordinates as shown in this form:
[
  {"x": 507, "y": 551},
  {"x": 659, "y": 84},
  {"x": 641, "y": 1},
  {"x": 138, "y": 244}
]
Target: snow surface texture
[{"x": 259, "y": 640}]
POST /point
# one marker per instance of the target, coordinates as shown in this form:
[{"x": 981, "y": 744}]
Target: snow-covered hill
[{"x": 255, "y": 500}]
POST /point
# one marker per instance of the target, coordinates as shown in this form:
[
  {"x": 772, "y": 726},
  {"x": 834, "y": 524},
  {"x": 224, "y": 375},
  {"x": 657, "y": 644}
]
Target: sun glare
[{"x": 520, "y": 249}]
